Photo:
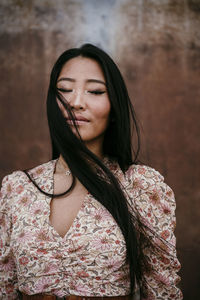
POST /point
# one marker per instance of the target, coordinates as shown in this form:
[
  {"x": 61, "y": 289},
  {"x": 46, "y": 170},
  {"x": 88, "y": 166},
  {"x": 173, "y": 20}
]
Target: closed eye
[
  {"x": 65, "y": 90},
  {"x": 96, "y": 92}
]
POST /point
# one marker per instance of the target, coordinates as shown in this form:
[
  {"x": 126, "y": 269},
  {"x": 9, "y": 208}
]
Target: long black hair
[
  {"x": 117, "y": 141},
  {"x": 85, "y": 165}
]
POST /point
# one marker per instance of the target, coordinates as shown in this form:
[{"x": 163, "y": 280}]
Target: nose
[{"x": 77, "y": 100}]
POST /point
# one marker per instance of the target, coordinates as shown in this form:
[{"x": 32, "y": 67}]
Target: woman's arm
[
  {"x": 155, "y": 206},
  {"x": 8, "y": 275}
]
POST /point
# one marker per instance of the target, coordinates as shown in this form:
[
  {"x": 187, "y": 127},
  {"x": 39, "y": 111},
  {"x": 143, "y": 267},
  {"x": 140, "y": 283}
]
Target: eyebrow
[{"x": 87, "y": 80}]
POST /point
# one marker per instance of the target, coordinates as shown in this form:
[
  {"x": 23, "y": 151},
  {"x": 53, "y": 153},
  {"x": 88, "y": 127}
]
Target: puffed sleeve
[
  {"x": 8, "y": 276},
  {"x": 154, "y": 204}
]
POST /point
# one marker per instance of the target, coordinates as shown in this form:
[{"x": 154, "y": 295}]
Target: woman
[{"x": 91, "y": 222}]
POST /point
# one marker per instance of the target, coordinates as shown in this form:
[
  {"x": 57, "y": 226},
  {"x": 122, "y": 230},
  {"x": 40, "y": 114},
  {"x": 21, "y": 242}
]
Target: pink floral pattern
[{"x": 91, "y": 258}]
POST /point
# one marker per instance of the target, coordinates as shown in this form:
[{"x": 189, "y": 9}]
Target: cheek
[{"x": 102, "y": 110}]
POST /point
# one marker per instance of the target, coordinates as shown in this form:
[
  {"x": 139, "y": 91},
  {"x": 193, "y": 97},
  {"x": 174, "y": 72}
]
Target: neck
[
  {"x": 96, "y": 147},
  {"x": 62, "y": 162},
  {"x": 61, "y": 166},
  {"x": 91, "y": 146}
]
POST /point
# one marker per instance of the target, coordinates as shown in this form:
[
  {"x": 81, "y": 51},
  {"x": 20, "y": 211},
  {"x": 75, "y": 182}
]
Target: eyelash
[
  {"x": 95, "y": 92},
  {"x": 64, "y": 90}
]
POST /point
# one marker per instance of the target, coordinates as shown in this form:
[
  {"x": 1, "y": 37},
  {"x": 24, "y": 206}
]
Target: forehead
[{"x": 82, "y": 67}]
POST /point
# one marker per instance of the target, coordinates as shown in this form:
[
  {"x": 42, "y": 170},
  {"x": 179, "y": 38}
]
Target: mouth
[{"x": 79, "y": 120}]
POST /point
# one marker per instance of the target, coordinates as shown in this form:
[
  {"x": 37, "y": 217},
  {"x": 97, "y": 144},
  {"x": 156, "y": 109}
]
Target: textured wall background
[{"x": 156, "y": 45}]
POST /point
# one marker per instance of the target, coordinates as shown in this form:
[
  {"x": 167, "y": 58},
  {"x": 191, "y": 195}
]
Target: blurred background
[{"x": 156, "y": 44}]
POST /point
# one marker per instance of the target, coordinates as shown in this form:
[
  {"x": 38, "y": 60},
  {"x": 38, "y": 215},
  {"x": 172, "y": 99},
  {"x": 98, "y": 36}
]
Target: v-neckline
[
  {"x": 69, "y": 231},
  {"x": 86, "y": 198}
]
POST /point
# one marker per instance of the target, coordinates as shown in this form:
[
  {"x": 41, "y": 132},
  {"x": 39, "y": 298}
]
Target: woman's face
[{"x": 81, "y": 82}]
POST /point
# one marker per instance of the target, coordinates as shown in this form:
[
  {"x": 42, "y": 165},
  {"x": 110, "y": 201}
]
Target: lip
[{"x": 79, "y": 120}]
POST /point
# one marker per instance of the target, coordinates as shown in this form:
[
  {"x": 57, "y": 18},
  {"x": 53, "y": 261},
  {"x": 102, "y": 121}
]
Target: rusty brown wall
[{"x": 157, "y": 46}]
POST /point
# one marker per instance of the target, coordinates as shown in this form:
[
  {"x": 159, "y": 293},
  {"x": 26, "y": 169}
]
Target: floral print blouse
[{"x": 90, "y": 260}]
